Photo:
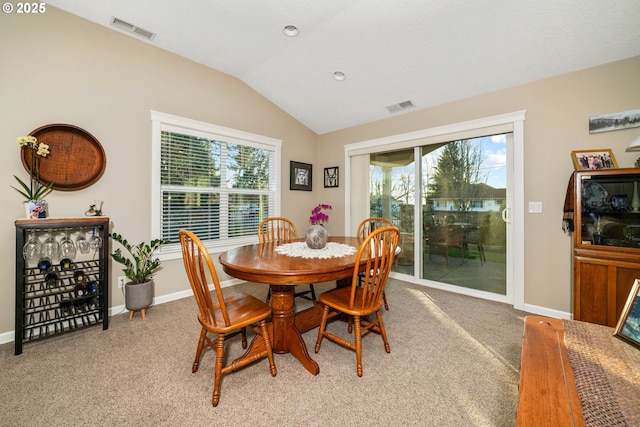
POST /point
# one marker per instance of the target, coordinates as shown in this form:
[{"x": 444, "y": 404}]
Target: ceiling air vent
[
  {"x": 130, "y": 28},
  {"x": 394, "y": 108}
]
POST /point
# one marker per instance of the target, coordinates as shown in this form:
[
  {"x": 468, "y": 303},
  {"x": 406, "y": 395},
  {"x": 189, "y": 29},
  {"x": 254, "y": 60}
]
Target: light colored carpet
[{"x": 454, "y": 361}]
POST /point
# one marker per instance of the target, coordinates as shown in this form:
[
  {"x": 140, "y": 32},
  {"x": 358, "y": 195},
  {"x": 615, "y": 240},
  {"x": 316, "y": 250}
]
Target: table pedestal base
[{"x": 288, "y": 326}]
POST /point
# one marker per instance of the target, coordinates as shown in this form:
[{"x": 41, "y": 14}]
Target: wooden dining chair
[
  {"x": 361, "y": 301},
  {"x": 445, "y": 237},
  {"x": 225, "y": 317},
  {"x": 280, "y": 229},
  {"x": 367, "y": 226},
  {"x": 371, "y": 224}
]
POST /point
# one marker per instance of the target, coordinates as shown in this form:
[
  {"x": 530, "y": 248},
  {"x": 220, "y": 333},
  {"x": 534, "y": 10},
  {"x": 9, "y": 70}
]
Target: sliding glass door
[
  {"x": 464, "y": 197},
  {"x": 449, "y": 207},
  {"x": 392, "y": 195}
]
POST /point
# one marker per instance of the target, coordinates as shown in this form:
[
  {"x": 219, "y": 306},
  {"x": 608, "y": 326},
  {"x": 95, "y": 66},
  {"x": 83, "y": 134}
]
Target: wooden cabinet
[
  {"x": 606, "y": 243},
  {"x": 601, "y": 287},
  {"x": 64, "y": 291}
]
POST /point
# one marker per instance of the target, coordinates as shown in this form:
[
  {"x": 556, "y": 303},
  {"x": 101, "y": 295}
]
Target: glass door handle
[{"x": 505, "y": 215}]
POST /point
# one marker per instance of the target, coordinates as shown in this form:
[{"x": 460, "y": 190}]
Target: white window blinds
[{"x": 219, "y": 185}]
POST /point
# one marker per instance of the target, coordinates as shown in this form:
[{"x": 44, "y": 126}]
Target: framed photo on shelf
[
  {"x": 585, "y": 160},
  {"x": 628, "y": 327},
  {"x": 300, "y": 176},
  {"x": 331, "y": 177}
]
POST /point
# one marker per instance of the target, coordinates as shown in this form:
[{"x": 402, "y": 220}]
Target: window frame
[{"x": 162, "y": 121}]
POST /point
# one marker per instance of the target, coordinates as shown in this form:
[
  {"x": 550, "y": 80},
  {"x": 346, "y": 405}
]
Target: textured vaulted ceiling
[{"x": 428, "y": 51}]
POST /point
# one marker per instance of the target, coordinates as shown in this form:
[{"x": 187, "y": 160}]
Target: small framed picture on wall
[
  {"x": 331, "y": 177},
  {"x": 300, "y": 176}
]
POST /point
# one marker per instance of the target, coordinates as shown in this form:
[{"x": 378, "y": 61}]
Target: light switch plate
[{"x": 535, "y": 207}]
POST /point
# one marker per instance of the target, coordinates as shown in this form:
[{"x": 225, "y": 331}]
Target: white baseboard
[
  {"x": 6, "y": 337},
  {"x": 543, "y": 311},
  {"x": 10, "y": 336}
]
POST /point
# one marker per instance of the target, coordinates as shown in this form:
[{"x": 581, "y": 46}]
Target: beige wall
[
  {"x": 61, "y": 69},
  {"x": 557, "y": 115},
  {"x": 57, "y": 68}
]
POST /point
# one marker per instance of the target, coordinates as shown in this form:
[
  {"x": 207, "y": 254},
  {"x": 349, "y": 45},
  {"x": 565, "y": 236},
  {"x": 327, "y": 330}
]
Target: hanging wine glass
[
  {"x": 95, "y": 242},
  {"x": 50, "y": 247},
  {"x": 67, "y": 247},
  {"x": 82, "y": 243},
  {"x": 31, "y": 249}
]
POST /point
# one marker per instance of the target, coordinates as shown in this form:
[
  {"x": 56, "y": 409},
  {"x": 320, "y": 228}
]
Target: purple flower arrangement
[{"x": 317, "y": 216}]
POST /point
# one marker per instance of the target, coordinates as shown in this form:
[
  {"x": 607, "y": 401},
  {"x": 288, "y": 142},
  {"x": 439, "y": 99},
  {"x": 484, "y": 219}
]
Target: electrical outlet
[{"x": 121, "y": 281}]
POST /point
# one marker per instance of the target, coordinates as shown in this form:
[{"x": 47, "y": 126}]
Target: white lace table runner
[{"x": 301, "y": 250}]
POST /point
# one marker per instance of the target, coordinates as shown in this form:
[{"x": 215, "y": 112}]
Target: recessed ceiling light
[
  {"x": 290, "y": 31},
  {"x": 339, "y": 76}
]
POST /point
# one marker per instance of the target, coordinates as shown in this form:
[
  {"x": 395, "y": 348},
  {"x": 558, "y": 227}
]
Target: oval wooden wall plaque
[{"x": 76, "y": 159}]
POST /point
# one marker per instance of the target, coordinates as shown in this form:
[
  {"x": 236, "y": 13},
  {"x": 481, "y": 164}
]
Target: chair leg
[
  {"x": 358, "y": 332},
  {"x": 349, "y": 318},
  {"x": 313, "y": 293},
  {"x": 215, "y": 398},
  {"x": 196, "y": 362},
  {"x": 383, "y": 332},
  {"x": 267, "y": 343},
  {"x": 244, "y": 338},
  {"x": 384, "y": 298},
  {"x": 323, "y": 325},
  {"x": 304, "y": 293}
]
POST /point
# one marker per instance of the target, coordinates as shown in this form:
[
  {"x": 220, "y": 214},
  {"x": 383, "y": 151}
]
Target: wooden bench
[{"x": 547, "y": 390}]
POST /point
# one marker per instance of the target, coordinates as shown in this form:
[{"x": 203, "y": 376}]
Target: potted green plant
[{"x": 139, "y": 269}]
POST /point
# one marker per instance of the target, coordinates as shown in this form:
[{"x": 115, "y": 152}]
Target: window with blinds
[{"x": 214, "y": 184}]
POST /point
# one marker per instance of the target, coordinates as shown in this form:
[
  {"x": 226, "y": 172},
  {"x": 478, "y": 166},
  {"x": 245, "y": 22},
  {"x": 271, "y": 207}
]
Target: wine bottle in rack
[
  {"x": 78, "y": 275},
  {"x": 80, "y": 295},
  {"x": 66, "y": 264},
  {"x": 92, "y": 293},
  {"x": 44, "y": 264},
  {"x": 51, "y": 279},
  {"x": 65, "y": 306},
  {"x": 92, "y": 288}
]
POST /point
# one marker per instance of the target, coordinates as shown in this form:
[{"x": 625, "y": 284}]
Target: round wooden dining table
[{"x": 262, "y": 264}]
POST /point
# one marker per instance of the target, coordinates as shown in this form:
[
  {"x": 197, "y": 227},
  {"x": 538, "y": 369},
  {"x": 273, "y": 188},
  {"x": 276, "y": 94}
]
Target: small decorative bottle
[{"x": 635, "y": 201}]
